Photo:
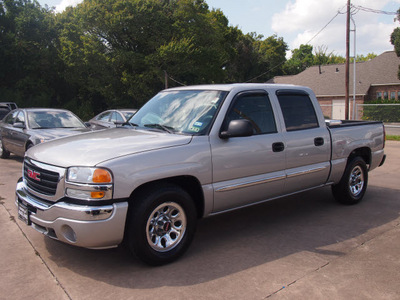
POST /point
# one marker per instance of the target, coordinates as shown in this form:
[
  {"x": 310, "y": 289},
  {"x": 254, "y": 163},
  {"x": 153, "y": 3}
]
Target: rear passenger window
[
  {"x": 257, "y": 109},
  {"x": 298, "y": 111}
]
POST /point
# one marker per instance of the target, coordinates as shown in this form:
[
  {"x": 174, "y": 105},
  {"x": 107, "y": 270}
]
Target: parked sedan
[
  {"x": 109, "y": 118},
  {"x": 21, "y": 129}
]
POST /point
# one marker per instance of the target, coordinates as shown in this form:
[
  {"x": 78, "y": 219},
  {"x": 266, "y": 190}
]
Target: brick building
[{"x": 375, "y": 79}]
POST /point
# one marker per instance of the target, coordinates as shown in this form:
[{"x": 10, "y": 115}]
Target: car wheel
[
  {"x": 351, "y": 188},
  {"x": 161, "y": 226},
  {"x": 3, "y": 152}
]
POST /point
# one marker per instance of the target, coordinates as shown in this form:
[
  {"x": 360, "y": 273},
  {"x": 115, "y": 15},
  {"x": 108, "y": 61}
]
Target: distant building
[{"x": 375, "y": 79}]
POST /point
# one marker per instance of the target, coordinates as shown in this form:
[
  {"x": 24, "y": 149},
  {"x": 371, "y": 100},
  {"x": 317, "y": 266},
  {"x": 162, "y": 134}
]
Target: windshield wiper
[
  {"x": 162, "y": 127},
  {"x": 122, "y": 124}
]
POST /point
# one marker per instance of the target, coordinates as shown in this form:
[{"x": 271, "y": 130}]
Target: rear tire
[
  {"x": 162, "y": 222},
  {"x": 3, "y": 152},
  {"x": 351, "y": 188}
]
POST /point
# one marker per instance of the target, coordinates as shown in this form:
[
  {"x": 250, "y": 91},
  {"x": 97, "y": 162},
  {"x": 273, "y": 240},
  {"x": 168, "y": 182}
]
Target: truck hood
[{"x": 90, "y": 149}]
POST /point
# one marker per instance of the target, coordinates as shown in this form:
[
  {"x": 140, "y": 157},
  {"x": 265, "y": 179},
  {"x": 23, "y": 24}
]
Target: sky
[{"x": 301, "y": 21}]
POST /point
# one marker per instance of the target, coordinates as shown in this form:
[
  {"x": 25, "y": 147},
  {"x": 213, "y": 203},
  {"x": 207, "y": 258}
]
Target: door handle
[
  {"x": 319, "y": 141},
  {"x": 278, "y": 147}
]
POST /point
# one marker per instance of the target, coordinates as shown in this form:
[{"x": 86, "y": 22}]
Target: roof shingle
[{"x": 329, "y": 80}]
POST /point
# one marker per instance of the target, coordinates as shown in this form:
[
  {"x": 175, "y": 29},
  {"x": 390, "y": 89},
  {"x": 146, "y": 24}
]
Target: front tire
[
  {"x": 351, "y": 188},
  {"x": 161, "y": 225}
]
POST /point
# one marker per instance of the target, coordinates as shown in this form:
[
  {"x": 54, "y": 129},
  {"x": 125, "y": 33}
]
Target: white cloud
[
  {"x": 301, "y": 20},
  {"x": 65, "y": 3}
]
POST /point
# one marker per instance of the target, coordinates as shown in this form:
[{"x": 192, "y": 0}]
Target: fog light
[
  {"x": 97, "y": 195},
  {"x": 73, "y": 193}
]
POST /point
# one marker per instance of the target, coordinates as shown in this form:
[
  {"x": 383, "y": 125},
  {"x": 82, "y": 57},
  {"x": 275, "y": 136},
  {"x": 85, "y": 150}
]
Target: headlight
[
  {"x": 89, "y": 183},
  {"x": 40, "y": 140},
  {"x": 88, "y": 175}
]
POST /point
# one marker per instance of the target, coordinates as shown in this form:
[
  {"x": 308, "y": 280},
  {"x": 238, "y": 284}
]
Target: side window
[
  {"x": 257, "y": 109},
  {"x": 11, "y": 117},
  {"x": 116, "y": 117},
  {"x": 104, "y": 116},
  {"x": 298, "y": 111},
  {"x": 20, "y": 117}
]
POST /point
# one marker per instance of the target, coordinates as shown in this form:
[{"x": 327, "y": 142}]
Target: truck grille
[{"x": 40, "y": 180}]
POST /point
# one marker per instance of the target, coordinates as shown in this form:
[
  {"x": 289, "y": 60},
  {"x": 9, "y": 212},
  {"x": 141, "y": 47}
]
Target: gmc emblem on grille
[{"x": 33, "y": 175}]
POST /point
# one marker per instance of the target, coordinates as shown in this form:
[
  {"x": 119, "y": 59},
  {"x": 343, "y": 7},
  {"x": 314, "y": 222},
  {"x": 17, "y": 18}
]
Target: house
[{"x": 375, "y": 79}]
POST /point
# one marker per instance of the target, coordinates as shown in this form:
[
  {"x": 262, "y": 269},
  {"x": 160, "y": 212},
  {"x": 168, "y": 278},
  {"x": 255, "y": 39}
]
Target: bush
[{"x": 383, "y": 110}]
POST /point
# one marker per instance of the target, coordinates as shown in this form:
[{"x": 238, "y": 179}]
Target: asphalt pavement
[{"x": 303, "y": 246}]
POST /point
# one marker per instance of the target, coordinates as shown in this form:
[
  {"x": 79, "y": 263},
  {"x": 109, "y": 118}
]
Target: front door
[{"x": 250, "y": 169}]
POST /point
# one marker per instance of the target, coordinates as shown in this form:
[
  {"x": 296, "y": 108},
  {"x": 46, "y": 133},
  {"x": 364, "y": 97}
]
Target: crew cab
[{"x": 189, "y": 153}]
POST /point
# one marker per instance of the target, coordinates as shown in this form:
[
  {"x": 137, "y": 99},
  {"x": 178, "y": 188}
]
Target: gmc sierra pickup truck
[{"x": 189, "y": 153}]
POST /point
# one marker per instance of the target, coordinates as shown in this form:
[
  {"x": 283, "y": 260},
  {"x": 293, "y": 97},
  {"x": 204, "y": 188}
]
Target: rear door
[
  {"x": 307, "y": 142},
  {"x": 248, "y": 169}
]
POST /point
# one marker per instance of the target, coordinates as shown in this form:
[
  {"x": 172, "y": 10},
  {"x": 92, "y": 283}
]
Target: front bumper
[{"x": 95, "y": 227}]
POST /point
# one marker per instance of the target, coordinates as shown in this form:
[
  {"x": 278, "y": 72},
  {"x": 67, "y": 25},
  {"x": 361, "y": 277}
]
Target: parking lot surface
[{"x": 305, "y": 246}]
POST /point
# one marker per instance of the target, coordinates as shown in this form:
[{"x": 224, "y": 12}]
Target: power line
[
  {"x": 354, "y": 10},
  {"x": 371, "y": 10},
  {"x": 278, "y": 65}
]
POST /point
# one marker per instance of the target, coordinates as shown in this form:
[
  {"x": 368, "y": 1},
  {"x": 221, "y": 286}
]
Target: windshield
[
  {"x": 188, "y": 112},
  {"x": 53, "y": 119}
]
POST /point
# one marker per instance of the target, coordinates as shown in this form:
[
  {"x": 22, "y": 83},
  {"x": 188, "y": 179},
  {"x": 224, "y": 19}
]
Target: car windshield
[
  {"x": 187, "y": 112},
  {"x": 53, "y": 119}
]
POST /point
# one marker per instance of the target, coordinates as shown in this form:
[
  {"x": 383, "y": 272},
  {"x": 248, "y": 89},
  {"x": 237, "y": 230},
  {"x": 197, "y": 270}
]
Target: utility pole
[{"x": 346, "y": 109}]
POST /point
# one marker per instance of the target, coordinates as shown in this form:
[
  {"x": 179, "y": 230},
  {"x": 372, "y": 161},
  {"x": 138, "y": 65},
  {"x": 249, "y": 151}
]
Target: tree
[
  {"x": 114, "y": 53},
  {"x": 395, "y": 40},
  {"x": 28, "y": 63},
  {"x": 301, "y": 59}
]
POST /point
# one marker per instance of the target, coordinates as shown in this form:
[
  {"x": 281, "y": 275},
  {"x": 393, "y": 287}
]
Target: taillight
[{"x": 384, "y": 136}]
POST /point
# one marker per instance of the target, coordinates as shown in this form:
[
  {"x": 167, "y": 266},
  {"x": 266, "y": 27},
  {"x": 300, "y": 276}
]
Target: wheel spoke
[
  {"x": 356, "y": 181},
  {"x": 166, "y": 226}
]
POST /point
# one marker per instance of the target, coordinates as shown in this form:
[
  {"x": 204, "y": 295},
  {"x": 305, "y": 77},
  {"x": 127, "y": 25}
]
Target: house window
[
  {"x": 379, "y": 95},
  {"x": 398, "y": 96},
  {"x": 392, "y": 95},
  {"x": 385, "y": 95}
]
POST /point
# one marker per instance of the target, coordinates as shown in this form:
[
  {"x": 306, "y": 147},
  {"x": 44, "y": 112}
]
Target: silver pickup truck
[{"x": 189, "y": 153}]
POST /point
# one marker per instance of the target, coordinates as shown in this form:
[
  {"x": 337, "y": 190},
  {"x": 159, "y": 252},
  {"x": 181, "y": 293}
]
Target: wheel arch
[
  {"x": 363, "y": 152},
  {"x": 188, "y": 183}
]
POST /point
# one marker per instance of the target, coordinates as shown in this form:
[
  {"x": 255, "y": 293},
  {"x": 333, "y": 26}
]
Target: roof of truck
[{"x": 232, "y": 86}]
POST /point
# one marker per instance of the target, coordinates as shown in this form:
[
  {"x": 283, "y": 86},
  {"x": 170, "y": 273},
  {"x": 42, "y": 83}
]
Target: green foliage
[
  {"x": 303, "y": 57},
  {"x": 114, "y": 53},
  {"x": 28, "y": 59},
  {"x": 393, "y": 137},
  {"x": 384, "y": 113},
  {"x": 395, "y": 40}
]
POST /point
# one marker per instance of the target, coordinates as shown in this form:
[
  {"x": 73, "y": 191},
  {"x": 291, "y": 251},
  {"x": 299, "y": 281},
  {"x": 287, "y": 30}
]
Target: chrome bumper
[{"x": 79, "y": 225}]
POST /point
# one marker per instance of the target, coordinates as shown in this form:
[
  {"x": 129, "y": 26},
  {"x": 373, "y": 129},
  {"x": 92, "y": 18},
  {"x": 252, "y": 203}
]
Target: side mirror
[
  {"x": 87, "y": 124},
  {"x": 237, "y": 128},
  {"x": 19, "y": 125}
]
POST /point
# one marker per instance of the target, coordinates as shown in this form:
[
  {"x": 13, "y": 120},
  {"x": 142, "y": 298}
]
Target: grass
[{"x": 393, "y": 137}]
